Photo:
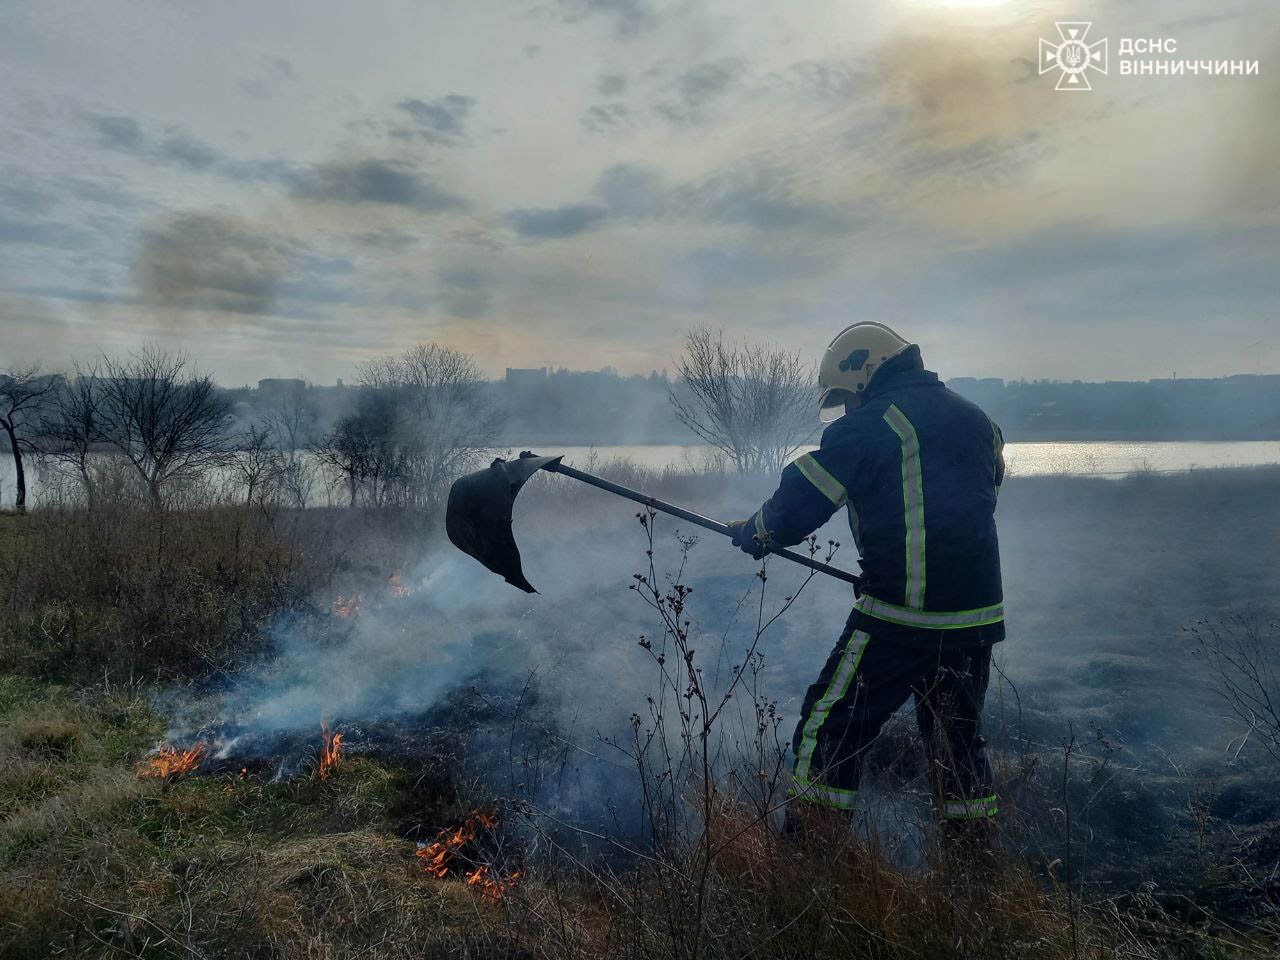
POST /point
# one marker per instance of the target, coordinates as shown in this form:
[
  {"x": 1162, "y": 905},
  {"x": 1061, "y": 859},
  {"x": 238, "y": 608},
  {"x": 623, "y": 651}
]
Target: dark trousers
[{"x": 865, "y": 680}]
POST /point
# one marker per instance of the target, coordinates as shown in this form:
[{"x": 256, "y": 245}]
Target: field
[{"x": 1138, "y": 819}]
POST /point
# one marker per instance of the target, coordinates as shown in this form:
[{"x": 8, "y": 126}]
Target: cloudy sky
[{"x": 286, "y": 189}]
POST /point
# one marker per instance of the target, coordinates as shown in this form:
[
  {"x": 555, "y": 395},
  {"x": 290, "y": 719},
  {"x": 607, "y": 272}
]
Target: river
[{"x": 1108, "y": 458}]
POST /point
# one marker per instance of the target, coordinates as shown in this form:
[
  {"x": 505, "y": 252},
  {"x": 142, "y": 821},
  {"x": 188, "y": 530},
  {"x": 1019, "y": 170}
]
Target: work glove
[{"x": 744, "y": 538}]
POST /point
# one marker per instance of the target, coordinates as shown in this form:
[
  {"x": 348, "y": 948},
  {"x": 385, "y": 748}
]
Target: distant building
[
  {"x": 278, "y": 387},
  {"x": 525, "y": 376}
]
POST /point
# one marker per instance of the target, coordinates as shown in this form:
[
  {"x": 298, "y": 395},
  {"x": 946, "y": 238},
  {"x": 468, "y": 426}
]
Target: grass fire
[
  {"x": 170, "y": 763},
  {"x": 330, "y": 752},
  {"x": 453, "y": 849},
  {"x": 639, "y": 480},
  {"x": 470, "y": 750}
]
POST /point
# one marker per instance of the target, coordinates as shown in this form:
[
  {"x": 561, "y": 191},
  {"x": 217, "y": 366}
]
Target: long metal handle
[{"x": 700, "y": 520}]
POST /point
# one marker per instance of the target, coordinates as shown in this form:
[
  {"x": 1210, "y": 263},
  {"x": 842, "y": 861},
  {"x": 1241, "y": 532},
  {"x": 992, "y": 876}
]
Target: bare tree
[
  {"x": 344, "y": 450},
  {"x": 70, "y": 429},
  {"x": 755, "y": 404},
  {"x": 23, "y": 390},
  {"x": 438, "y": 420},
  {"x": 293, "y": 428},
  {"x": 258, "y": 465},
  {"x": 361, "y": 448},
  {"x": 168, "y": 423}
]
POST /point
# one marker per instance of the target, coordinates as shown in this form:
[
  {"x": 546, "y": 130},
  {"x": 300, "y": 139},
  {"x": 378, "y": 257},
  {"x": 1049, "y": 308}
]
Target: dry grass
[
  {"x": 95, "y": 863},
  {"x": 126, "y": 596}
]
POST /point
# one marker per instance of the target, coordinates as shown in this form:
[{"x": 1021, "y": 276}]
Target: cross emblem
[{"x": 1073, "y": 55}]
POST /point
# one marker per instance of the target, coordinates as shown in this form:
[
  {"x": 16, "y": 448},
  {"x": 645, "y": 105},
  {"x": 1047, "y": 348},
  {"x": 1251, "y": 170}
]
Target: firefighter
[{"x": 919, "y": 469}]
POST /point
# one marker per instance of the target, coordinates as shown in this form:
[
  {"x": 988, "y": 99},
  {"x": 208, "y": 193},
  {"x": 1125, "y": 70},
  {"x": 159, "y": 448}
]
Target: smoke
[
  {"x": 198, "y": 264},
  {"x": 555, "y": 673},
  {"x": 955, "y": 85},
  {"x": 1249, "y": 148},
  {"x": 1101, "y": 578}
]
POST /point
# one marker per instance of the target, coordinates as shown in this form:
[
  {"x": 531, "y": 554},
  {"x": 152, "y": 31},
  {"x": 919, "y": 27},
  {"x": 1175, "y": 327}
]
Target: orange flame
[
  {"x": 438, "y": 856},
  {"x": 168, "y": 763},
  {"x": 494, "y": 888},
  {"x": 397, "y": 588},
  {"x": 346, "y": 607},
  {"x": 329, "y": 752}
]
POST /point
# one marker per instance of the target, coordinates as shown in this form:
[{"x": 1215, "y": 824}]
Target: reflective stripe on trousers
[
  {"x": 979, "y": 809},
  {"x": 818, "y": 793},
  {"x": 836, "y": 690}
]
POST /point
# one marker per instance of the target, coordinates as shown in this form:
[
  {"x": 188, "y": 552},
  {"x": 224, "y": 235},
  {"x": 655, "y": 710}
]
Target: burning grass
[
  {"x": 226, "y": 860},
  {"x": 330, "y": 751},
  {"x": 346, "y": 607},
  {"x": 170, "y": 763},
  {"x": 440, "y": 858},
  {"x": 97, "y": 863}
]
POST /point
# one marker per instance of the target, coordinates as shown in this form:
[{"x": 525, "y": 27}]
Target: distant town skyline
[{"x": 668, "y": 373}]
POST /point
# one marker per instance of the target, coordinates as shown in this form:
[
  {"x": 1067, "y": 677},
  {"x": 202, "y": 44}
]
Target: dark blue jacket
[{"x": 919, "y": 469}]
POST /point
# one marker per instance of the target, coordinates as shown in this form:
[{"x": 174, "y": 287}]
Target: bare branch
[
  {"x": 422, "y": 419},
  {"x": 755, "y": 404},
  {"x": 166, "y": 422},
  {"x": 24, "y": 391}
]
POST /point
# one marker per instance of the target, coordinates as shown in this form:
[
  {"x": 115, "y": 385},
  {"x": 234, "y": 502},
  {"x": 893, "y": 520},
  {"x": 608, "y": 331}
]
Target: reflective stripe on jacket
[{"x": 919, "y": 469}]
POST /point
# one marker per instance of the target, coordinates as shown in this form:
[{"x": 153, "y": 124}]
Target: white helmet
[{"x": 851, "y": 358}]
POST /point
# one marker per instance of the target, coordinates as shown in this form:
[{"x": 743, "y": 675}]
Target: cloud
[
  {"x": 175, "y": 149},
  {"x": 183, "y": 151},
  {"x": 179, "y": 150},
  {"x": 611, "y": 84},
  {"x": 631, "y": 190},
  {"x": 744, "y": 266},
  {"x": 22, "y": 198},
  {"x": 107, "y": 191},
  {"x": 465, "y": 293},
  {"x": 834, "y": 80},
  {"x": 762, "y": 197},
  {"x": 78, "y": 294},
  {"x": 211, "y": 262},
  {"x": 442, "y": 120},
  {"x": 267, "y": 82},
  {"x": 383, "y": 182},
  {"x": 257, "y": 171},
  {"x": 1105, "y": 266},
  {"x": 42, "y": 234},
  {"x": 630, "y": 17},
  {"x": 699, "y": 89},
  {"x": 750, "y": 194},
  {"x": 557, "y": 222},
  {"x": 393, "y": 241},
  {"x": 119, "y": 133},
  {"x": 606, "y": 118}
]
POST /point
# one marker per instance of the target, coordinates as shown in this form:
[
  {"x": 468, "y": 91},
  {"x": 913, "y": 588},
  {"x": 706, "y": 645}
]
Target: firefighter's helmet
[{"x": 851, "y": 358}]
